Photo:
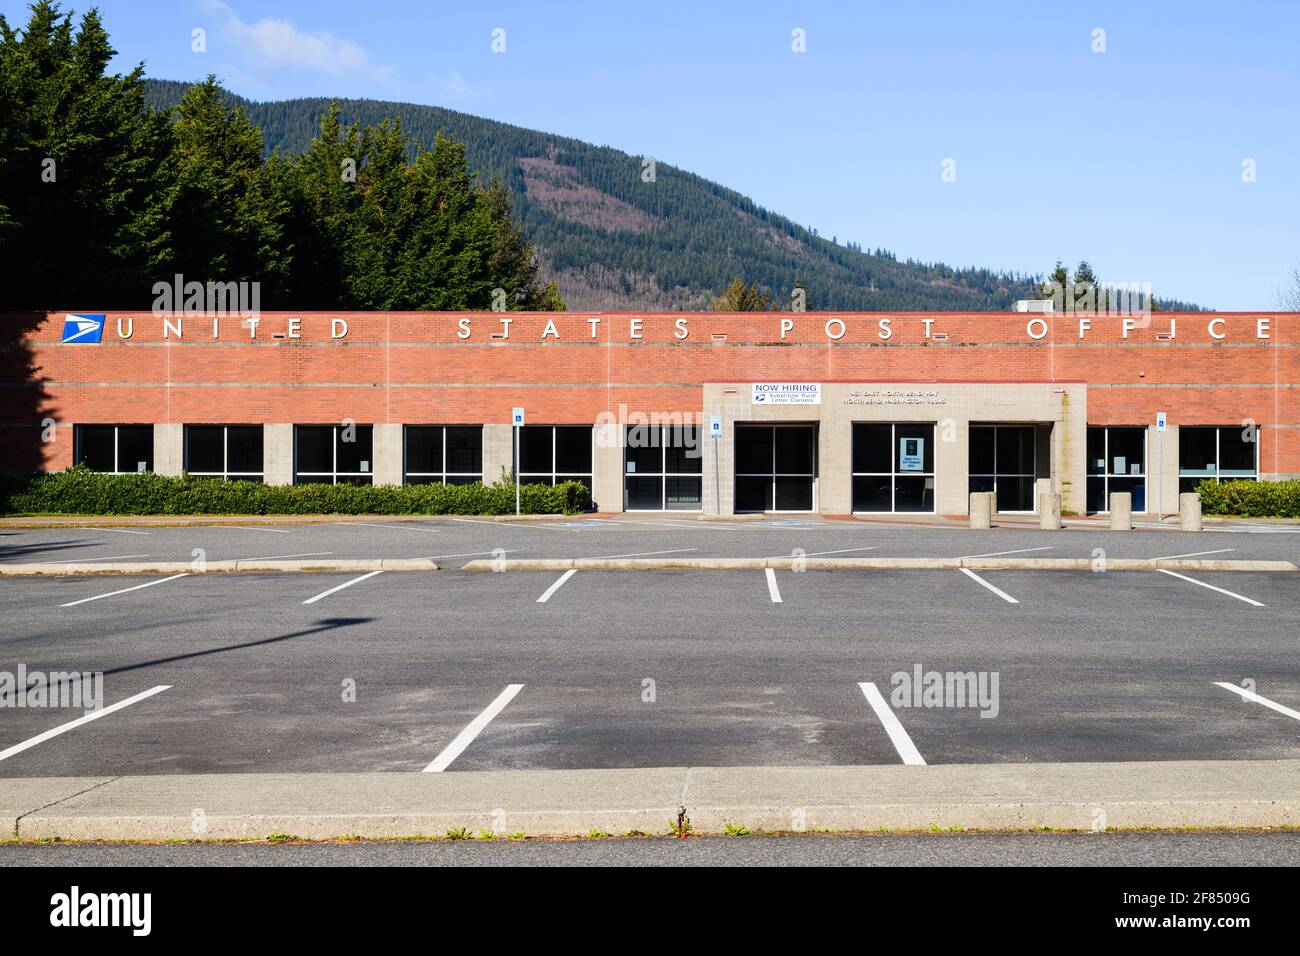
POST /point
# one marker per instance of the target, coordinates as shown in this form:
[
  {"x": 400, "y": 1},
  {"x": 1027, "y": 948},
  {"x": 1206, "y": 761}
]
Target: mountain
[{"x": 613, "y": 241}]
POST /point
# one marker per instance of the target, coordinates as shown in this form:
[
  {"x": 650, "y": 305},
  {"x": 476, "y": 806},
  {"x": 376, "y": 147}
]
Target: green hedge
[
  {"x": 1251, "y": 499},
  {"x": 81, "y": 491}
]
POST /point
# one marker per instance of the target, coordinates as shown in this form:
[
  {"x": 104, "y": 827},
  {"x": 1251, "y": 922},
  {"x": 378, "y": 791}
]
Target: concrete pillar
[
  {"x": 981, "y": 510},
  {"x": 835, "y": 467},
  {"x": 1049, "y": 511},
  {"x": 1042, "y": 486},
  {"x": 388, "y": 452},
  {"x": 1121, "y": 511},
  {"x": 1189, "y": 511},
  {"x": 607, "y": 467},
  {"x": 498, "y": 453},
  {"x": 277, "y": 454},
  {"x": 951, "y": 467},
  {"x": 168, "y": 449}
]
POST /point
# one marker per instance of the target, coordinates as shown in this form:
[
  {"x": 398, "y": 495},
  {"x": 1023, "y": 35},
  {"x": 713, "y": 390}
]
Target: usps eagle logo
[{"x": 83, "y": 328}]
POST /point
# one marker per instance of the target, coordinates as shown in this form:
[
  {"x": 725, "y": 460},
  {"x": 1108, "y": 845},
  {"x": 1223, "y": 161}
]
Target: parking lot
[{"x": 459, "y": 670}]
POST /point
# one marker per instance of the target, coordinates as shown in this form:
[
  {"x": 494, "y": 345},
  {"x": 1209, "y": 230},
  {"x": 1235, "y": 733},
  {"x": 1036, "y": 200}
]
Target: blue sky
[{"x": 1131, "y": 157}]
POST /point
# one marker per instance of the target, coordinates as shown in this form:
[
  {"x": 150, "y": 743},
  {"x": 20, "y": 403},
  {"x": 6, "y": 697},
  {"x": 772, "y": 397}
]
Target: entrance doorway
[
  {"x": 1003, "y": 459},
  {"x": 775, "y": 467}
]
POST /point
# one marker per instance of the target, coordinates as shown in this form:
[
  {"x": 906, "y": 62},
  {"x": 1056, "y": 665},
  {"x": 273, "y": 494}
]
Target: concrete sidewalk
[{"x": 1071, "y": 796}]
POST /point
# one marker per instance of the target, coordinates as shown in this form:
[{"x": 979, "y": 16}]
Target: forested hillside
[{"x": 613, "y": 240}]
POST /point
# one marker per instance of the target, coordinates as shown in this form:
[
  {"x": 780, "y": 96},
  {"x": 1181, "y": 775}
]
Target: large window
[
  {"x": 662, "y": 468},
  {"x": 333, "y": 454},
  {"x": 444, "y": 454},
  {"x": 775, "y": 467},
  {"x": 1116, "y": 462},
  {"x": 1002, "y": 460},
  {"x": 551, "y": 454},
  {"x": 120, "y": 449},
  {"x": 224, "y": 451},
  {"x": 893, "y": 467},
  {"x": 1228, "y": 453}
]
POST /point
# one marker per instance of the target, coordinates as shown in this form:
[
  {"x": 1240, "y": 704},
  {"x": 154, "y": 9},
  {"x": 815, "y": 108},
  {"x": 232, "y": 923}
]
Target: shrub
[
  {"x": 81, "y": 491},
  {"x": 1251, "y": 499}
]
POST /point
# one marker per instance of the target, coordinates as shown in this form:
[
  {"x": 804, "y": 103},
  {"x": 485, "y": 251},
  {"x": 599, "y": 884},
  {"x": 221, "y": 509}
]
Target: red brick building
[{"x": 828, "y": 412}]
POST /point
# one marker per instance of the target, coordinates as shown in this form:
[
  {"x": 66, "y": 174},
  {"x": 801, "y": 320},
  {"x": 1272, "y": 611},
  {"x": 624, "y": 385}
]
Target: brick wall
[{"x": 419, "y": 367}]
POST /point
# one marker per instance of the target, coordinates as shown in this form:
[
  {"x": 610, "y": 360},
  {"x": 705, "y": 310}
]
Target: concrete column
[
  {"x": 607, "y": 467},
  {"x": 1189, "y": 511},
  {"x": 981, "y": 510},
  {"x": 1121, "y": 511},
  {"x": 168, "y": 448},
  {"x": 1043, "y": 486},
  {"x": 277, "y": 454},
  {"x": 1168, "y": 480},
  {"x": 1049, "y": 511},
  {"x": 835, "y": 466},
  {"x": 951, "y": 467},
  {"x": 498, "y": 452},
  {"x": 387, "y": 448},
  {"x": 1070, "y": 449}
]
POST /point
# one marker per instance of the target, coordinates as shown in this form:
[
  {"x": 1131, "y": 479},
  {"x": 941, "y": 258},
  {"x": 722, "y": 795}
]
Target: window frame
[
  {"x": 773, "y": 474},
  {"x": 996, "y": 473},
  {"x": 78, "y": 437},
  {"x": 334, "y": 474},
  {"x": 1106, "y": 474},
  {"x": 662, "y": 473},
  {"x": 444, "y": 474},
  {"x": 1217, "y": 476},
  {"x": 552, "y": 477},
  {"x": 225, "y": 473},
  {"x": 895, "y": 474}
]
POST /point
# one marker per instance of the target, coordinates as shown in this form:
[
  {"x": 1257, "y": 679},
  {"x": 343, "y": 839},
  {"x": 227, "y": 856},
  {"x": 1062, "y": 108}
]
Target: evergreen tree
[
  {"x": 738, "y": 297},
  {"x": 226, "y": 209}
]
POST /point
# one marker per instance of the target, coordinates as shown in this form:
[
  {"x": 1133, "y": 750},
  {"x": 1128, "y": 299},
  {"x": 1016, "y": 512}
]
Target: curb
[
  {"x": 217, "y": 567},
  {"x": 1081, "y": 796},
  {"x": 869, "y": 564}
]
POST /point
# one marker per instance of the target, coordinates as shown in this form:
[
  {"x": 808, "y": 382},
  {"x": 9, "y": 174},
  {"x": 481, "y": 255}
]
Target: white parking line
[
  {"x": 772, "y": 591},
  {"x": 244, "y": 527},
  {"x": 147, "y": 584},
  {"x": 546, "y": 595},
  {"x": 390, "y": 525},
  {"x": 644, "y": 554},
  {"x": 466, "y": 736},
  {"x": 340, "y": 587},
  {"x": 998, "y": 591},
  {"x": 998, "y": 554},
  {"x": 1252, "y": 696},
  {"x": 1183, "y": 577},
  {"x": 469, "y": 554},
  {"x": 107, "y": 557},
  {"x": 1194, "y": 554},
  {"x": 117, "y": 530},
  {"x": 818, "y": 554},
  {"x": 902, "y": 743},
  {"x": 305, "y": 554},
  {"x": 64, "y": 728}
]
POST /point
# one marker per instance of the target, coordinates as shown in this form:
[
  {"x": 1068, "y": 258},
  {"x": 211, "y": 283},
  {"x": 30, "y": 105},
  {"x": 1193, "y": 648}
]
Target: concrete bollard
[
  {"x": 1049, "y": 511},
  {"x": 1189, "y": 511},
  {"x": 981, "y": 510},
  {"x": 1121, "y": 511}
]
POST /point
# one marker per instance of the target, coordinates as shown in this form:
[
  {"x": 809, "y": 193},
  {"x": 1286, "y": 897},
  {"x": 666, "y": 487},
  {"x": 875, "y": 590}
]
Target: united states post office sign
[{"x": 787, "y": 393}]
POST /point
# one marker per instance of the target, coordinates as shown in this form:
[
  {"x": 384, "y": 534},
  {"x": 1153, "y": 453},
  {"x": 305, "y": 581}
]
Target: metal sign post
[
  {"x": 715, "y": 432},
  {"x": 518, "y": 421},
  {"x": 1160, "y": 464}
]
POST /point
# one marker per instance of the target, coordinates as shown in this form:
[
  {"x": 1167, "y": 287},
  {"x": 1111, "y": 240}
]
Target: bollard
[
  {"x": 1189, "y": 511},
  {"x": 1049, "y": 511},
  {"x": 1121, "y": 511},
  {"x": 981, "y": 510}
]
